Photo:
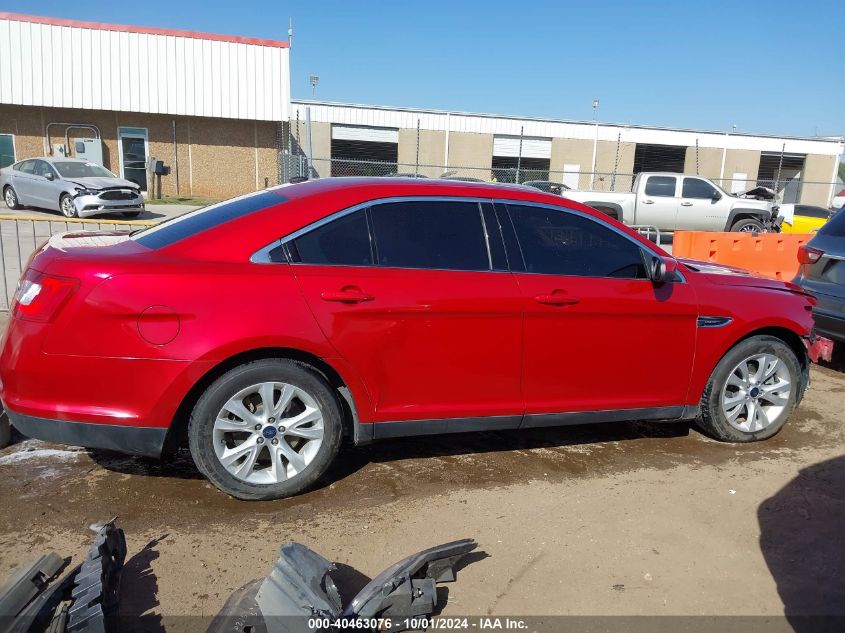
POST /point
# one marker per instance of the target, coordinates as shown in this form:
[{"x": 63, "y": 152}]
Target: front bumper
[
  {"x": 135, "y": 440},
  {"x": 93, "y": 204}
]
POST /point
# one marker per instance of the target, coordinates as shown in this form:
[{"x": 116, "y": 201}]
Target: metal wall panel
[
  {"x": 532, "y": 147},
  {"x": 75, "y": 65},
  {"x": 406, "y": 118}
]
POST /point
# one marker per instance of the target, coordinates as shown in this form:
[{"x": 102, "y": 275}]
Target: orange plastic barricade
[{"x": 772, "y": 255}]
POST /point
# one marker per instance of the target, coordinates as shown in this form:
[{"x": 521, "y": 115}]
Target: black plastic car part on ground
[
  {"x": 300, "y": 595},
  {"x": 83, "y": 601}
]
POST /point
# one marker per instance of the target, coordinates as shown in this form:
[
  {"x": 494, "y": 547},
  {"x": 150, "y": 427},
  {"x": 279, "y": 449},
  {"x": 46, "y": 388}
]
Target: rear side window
[
  {"x": 660, "y": 186},
  {"x": 834, "y": 227},
  {"x": 171, "y": 231},
  {"x": 26, "y": 166},
  {"x": 442, "y": 235},
  {"x": 556, "y": 242},
  {"x": 342, "y": 242}
]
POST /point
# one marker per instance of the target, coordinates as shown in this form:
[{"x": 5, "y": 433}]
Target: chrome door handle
[
  {"x": 686, "y": 204},
  {"x": 648, "y": 201}
]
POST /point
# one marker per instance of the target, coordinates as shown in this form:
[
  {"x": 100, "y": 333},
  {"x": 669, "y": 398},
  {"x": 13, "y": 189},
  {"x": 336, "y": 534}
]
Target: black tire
[
  {"x": 5, "y": 429},
  {"x": 200, "y": 427},
  {"x": 10, "y": 196},
  {"x": 66, "y": 200},
  {"x": 747, "y": 225},
  {"x": 712, "y": 419},
  {"x": 130, "y": 214}
]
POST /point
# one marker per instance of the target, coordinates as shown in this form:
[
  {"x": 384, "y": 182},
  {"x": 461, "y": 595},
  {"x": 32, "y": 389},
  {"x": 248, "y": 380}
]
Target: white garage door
[
  {"x": 365, "y": 133},
  {"x": 532, "y": 146}
]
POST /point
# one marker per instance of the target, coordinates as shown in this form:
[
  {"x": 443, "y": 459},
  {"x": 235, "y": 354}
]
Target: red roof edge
[{"x": 102, "y": 26}]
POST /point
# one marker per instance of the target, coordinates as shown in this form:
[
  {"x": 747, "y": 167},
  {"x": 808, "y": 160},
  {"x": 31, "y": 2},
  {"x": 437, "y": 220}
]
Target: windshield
[{"x": 74, "y": 169}]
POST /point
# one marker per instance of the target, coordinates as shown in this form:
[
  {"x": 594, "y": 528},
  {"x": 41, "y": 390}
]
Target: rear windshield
[
  {"x": 835, "y": 226},
  {"x": 178, "y": 228}
]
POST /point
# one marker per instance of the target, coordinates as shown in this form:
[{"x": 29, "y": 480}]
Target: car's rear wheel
[
  {"x": 752, "y": 391},
  {"x": 266, "y": 430},
  {"x": 748, "y": 225},
  {"x": 11, "y": 198},
  {"x": 67, "y": 207}
]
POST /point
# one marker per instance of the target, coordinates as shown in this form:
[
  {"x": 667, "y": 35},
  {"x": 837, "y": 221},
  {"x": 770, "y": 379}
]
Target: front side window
[
  {"x": 695, "y": 188},
  {"x": 811, "y": 212},
  {"x": 341, "y": 242},
  {"x": 433, "y": 234},
  {"x": 42, "y": 169},
  {"x": 660, "y": 186},
  {"x": 557, "y": 242}
]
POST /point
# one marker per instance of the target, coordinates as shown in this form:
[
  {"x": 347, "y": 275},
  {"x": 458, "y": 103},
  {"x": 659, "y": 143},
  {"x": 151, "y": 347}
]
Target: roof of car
[
  {"x": 51, "y": 159},
  {"x": 426, "y": 186}
]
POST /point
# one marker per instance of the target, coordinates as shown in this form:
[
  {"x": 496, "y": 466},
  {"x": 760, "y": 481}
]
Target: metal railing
[{"x": 22, "y": 235}]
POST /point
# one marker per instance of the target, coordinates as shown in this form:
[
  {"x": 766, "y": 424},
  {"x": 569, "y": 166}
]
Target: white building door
[{"x": 133, "y": 148}]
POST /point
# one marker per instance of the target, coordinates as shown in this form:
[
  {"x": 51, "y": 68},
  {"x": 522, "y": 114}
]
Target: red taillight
[
  {"x": 40, "y": 296},
  {"x": 809, "y": 255},
  {"x": 841, "y": 193}
]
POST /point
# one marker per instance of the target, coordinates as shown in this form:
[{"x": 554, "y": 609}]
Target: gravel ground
[{"x": 616, "y": 519}]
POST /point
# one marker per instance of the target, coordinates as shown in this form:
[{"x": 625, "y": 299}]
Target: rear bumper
[{"x": 147, "y": 441}]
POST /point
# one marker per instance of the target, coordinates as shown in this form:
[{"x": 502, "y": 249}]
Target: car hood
[
  {"x": 723, "y": 275},
  {"x": 102, "y": 182}
]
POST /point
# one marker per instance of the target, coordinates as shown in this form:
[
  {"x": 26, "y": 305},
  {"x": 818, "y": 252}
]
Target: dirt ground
[{"x": 615, "y": 519}]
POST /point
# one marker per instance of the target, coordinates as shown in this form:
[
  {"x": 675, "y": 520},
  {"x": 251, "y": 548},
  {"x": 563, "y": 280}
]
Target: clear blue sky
[{"x": 775, "y": 67}]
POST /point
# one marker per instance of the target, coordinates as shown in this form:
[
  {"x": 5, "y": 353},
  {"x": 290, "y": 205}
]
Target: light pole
[
  {"x": 313, "y": 80},
  {"x": 595, "y": 143}
]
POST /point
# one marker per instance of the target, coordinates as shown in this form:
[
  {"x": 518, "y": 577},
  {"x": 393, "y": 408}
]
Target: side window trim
[{"x": 262, "y": 256}]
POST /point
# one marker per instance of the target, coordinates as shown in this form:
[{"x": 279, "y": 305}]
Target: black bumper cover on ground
[{"x": 135, "y": 440}]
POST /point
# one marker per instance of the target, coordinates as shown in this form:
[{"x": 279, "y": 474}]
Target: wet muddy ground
[{"x": 628, "y": 518}]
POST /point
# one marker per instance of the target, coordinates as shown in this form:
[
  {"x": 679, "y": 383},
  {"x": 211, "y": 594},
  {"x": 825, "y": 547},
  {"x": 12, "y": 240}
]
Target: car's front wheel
[
  {"x": 67, "y": 207},
  {"x": 266, "y": 430},
  {"x": 748, "y": 225},
  {"x": 752, "y": 391},
  {"x": 11, "y": 198}
]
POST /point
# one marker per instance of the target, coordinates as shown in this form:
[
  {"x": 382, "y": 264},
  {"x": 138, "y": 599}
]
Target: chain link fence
[{"x": 789, "y": 190}]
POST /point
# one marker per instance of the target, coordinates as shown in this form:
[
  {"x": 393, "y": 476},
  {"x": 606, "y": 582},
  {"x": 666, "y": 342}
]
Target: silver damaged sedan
[{"x": 75, "y": 187}]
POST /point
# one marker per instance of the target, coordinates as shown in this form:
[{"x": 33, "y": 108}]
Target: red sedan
[{"x": 268, "y": 329}]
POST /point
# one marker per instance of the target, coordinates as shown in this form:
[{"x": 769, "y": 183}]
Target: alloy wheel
[
  {"x": 67, "y": 207},
  {"x": 268, "y": 433},
  {"x": 11, "y": 202},
  {"x": 756, "y": 393}
]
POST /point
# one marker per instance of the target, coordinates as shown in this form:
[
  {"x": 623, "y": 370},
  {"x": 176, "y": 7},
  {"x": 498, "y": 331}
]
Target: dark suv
[{"x": 822, "y": 274}]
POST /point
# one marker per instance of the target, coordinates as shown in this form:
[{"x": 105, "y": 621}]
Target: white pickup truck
[{"x": 673, "y": 201}]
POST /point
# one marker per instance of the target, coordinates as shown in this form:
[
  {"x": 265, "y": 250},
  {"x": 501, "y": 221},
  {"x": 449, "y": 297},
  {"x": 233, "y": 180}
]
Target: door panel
[
  {"x": 596, "y": 330},
  {"x": 428, "y": 344},
  {"x": 697, "y": 210},
  {"x": 657, "y": 203},
  {"x": 609, "y": 343}
]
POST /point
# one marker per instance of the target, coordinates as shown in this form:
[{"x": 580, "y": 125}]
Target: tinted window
[
  {"x": 811, "y": 212},
  {"x": 345, "y": 241},
  {"x": 556, "y": 242},
  {"x": 660, "y": 186},
  {"x": 178, "y": 228},
  {"x": 27, "y": 166},
  {"x": 835, "y": 226},
  {"x": 695, "y": 188},
  {"x": 442, "y": 235}
]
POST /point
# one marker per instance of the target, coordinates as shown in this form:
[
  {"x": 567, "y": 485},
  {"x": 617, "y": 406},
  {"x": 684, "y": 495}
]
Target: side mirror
[
  {"x": 661, "y": 270},
  {"x": 717, "y": 196},
  {"x": 50, "y": 175}
]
